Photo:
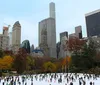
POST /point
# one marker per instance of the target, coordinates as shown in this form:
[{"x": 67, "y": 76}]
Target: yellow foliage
[
  {"x": 49, "y": 66},
  {"x": 6, "y": 62}
]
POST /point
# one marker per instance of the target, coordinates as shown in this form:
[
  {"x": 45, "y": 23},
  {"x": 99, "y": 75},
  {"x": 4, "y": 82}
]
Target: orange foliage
[
  {"x": 66, "y": 61},
  {"x": 6, "y": 62}
]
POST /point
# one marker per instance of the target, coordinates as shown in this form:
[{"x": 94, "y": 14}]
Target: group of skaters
[{"x": 66, "y": 78}]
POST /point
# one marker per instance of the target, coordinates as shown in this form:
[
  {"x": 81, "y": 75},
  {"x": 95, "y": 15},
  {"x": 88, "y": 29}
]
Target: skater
[
  {"x": 71, "y": 83},
  {"x": 90, "y": 83}
]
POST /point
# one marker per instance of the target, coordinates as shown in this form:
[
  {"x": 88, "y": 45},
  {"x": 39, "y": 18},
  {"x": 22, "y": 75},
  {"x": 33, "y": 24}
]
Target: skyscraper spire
[{"x": 52, "y": 10}]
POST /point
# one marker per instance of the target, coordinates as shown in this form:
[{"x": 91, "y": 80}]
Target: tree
[
  {"x": 29, "y": 63},
  {"x": 66, "y": 63},
  {"x": 1, "y": 53},
  {"x": 20, "y": 61},
  {"x": 7, "y": 52},
  {"x": 84, "y": 60},
  {"x": 49, "y": 67},
  {"x": 39, "y": 61},
  {"x": 75, "y": 44},
  {"x": 6, "y": 62}
]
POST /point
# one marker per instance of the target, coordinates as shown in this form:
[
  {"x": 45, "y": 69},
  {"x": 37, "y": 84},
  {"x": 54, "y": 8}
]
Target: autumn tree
[
  {"x": 29, "y": 63},
  {"x": 8, "y": 52},
  {"x": 1, "y": 53},
  {"x": 49, "y": 67},
  {"x": 84, "y": 60},
  {"x": 66, "y": 63},
  {"x": 6, "y": 63},
  {"x": 20, "y": 61},
  {"x": 75, "y": 44},
  {"x": 39, "y": 61}
]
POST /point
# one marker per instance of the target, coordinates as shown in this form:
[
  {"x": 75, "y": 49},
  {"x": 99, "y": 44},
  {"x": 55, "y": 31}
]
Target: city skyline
[{"x": 69, "y": 14}]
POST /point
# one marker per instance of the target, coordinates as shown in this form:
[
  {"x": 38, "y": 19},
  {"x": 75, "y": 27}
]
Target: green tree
[{"x": 84, "y": 60}]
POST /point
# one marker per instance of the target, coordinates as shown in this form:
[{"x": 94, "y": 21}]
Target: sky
[{"x": 69, "y": 14}]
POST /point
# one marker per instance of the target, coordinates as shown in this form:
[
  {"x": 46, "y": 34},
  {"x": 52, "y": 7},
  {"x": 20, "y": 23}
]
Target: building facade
[
  {"x": 73, "y": 35},
  {"x": 4, "y": 42},
  {"x": 5, "y": 31},
  {"x": 26, "y": 45},
  {"x": 63, "y": 34},
  {"x": 31, "y": 48},
  {"x": 47, "y": 36},
  {"x": 63, "y": 38},
  {"x": 93, "y": 23},
  {"x": 47, "y": 33},
  {"x": 10, "y": 40},
  {"x": 16, "y": 37},
  {"x": 78, "y": 31}
]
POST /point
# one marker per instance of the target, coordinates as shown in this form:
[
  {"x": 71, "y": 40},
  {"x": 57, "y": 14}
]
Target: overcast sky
[{"x": 69, "y": 14}]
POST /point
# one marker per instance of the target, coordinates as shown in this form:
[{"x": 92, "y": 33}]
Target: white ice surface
[{"x": 55, "y": 82}]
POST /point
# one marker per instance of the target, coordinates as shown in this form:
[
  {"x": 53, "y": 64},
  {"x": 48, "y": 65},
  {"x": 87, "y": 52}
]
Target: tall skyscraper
[
  {"x": 16, "y": 37},
  {"x": 47, "y": 33},
  {"x": 47, "y": 36},
  {"x": 93, "y": 23},
  {"x": 63, "y": 38},
  {"x": 78, "y": 31},
  {"x": 52, "y": 10}
]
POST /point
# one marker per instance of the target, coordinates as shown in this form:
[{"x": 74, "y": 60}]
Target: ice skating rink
[{"x": 51, "y": 79}]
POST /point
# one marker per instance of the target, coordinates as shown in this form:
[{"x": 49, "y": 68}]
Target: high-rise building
[
  {"x": 5, "y": 31},
  {"x": 16, "y": 37},
  {"x": 4, "y": 42},
  {"x": 52, "y": 10},
  {"x": 47, "y": 36},
  {"x": 58, "y": 49},
  {"x": 78, "y": 31},
  {"x": 93, "y": 23},
  {"x": 63, "y": 38},
  {"x": 31, "y": 48},
  {"x": 10, "y": 40},
  {"x": 73, "y": 35},
  {"x": 63, "y": 34},
  {"x": 26, "y": 45},
  {"x": 47, "y": 33}
]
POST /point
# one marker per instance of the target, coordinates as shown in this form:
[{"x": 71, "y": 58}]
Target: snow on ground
[{"x": 46, "y": 80}]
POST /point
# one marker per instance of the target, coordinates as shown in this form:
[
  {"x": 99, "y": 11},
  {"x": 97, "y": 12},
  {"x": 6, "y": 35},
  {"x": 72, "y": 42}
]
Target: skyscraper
[
  {"x": 78, "y": 31},
  {"x": 31, "y": 48},
  {"x": 16, "y": 37},
  {"x": 4, "y": 42},
  {"x": 47, "y": 33},
  {"x": 26, "y": 45},
  {"x": 63, "y": 38},
  {"x": 63, "y": 34},
  {"x": 10, "y": 40},
  {"x": 5, "y": 31},
  {"x": 93, "y": 23},
  {"x": 73, "y": 35},
  {"x": 47, "y": 36}
]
